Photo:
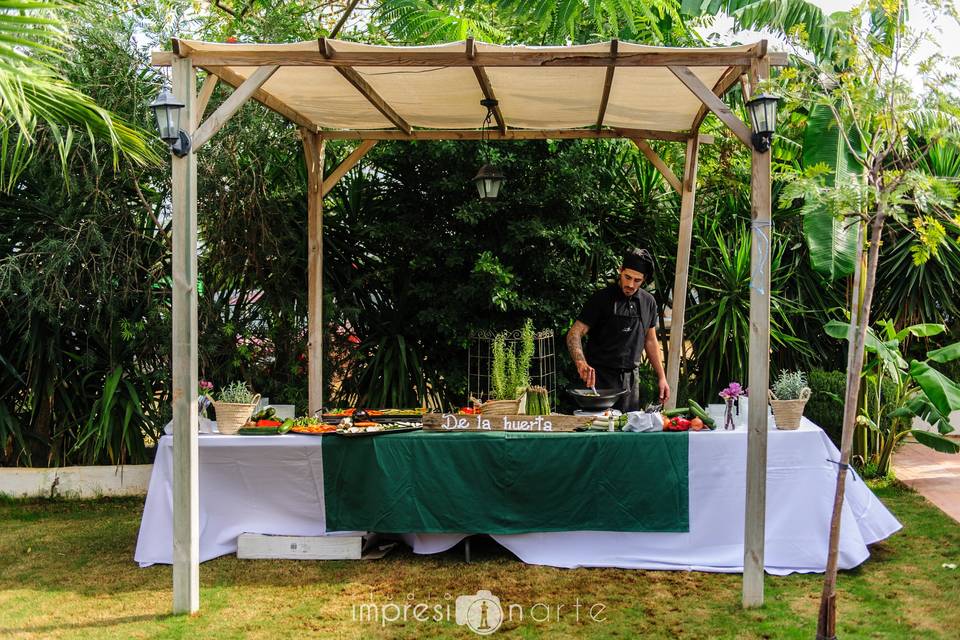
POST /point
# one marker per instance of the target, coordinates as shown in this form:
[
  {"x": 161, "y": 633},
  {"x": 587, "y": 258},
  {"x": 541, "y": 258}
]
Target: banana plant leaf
[
  {"x": 945, "y": 354},
  {"x": 832, "y": 240},
  {"x": 935, "y": 441},
  {"x": 921, "y": 407},
  {"x": 943, "y": 392}
]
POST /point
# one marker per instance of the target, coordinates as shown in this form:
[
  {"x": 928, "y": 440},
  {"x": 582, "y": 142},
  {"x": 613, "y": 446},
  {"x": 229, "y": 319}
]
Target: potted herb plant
[
  {"x": 788, "y": 395},
  {"x": 510, "y": 374},
  {"x": 234, "y": 405}
]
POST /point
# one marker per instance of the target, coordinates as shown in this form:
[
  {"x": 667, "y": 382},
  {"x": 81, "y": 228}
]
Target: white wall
[{"x": 76, "y": 482}]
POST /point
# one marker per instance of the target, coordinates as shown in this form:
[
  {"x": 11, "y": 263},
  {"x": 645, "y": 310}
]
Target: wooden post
[
  {"x": 313, "y": 150},
  {"x": 186, "y": 500},
  {"x": 759, "y": 376},
  {"x": 679, "y": 306}
]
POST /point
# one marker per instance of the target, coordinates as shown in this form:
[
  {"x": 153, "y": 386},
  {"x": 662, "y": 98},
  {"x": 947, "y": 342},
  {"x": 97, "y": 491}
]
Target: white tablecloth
[{"x": 274, "y": 485}]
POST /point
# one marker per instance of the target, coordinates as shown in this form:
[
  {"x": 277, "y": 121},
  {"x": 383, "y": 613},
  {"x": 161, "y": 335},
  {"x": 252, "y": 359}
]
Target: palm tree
[{"x": 34, "y": 98}]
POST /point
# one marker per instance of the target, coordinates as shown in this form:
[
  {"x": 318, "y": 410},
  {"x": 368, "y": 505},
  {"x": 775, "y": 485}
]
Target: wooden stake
[
  {"x": 759, "y": 374},
  {"x": 856, "y": 336},
  {"x": 313, "y": 151},
  {"x": 679, "y": 305},
  {"x": 186, "y": 496}
]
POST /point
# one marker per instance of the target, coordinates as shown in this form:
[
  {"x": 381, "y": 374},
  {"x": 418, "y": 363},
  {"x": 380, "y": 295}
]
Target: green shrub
[{"x": 825, "y": 406}]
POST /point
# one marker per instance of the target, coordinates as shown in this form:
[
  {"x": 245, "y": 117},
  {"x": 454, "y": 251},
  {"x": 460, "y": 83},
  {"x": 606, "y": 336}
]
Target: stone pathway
[{"x": 934, "y": 475}]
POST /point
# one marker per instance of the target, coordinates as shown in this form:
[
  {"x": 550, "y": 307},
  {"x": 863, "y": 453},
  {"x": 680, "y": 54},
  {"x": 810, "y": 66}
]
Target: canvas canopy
[{"x": 335, "y": 86}]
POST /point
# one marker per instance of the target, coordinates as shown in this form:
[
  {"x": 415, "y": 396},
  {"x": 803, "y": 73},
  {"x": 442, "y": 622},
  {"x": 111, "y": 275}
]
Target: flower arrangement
[
  {"x": 733, "y": 392},
  {"x": 205, "y": 387},
  {"x": 732, "y": 395}
]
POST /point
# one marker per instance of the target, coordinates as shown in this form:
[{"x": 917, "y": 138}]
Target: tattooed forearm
[{"x": 574, "y": 342}]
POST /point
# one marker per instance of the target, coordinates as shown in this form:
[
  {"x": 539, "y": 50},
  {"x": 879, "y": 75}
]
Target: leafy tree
[
  {"x": 35, "y": 100},
  {"x": 870, "y": 97}
]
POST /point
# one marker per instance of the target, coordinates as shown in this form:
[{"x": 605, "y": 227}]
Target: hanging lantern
[
  {"x": 490, "y": 178},
  {"x": 488, "y": 181}
]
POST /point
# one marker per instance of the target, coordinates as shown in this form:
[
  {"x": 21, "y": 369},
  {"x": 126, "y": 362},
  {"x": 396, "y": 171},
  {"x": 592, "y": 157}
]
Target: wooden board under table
[{"x": 464, "y": 423}]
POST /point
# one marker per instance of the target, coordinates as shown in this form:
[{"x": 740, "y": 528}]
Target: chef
[{"x": 621, "y": 319}]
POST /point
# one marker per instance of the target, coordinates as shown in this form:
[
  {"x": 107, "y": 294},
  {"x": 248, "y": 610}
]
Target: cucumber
[
  {"x": 679, "y": 411},
  {"x": 286, "y": 426},
  {"x": 701, "y": 413}
]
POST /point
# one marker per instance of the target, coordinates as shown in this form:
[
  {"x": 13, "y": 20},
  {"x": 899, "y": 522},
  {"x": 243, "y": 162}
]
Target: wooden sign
[{"x": 463, "y": 423}]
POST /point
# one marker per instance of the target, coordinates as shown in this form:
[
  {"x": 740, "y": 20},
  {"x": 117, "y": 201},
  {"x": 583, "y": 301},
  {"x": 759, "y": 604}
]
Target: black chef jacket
[{"x": 618, "y": 325}]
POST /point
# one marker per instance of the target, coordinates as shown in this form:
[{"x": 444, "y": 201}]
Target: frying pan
[{"x": 604, "y": 399}]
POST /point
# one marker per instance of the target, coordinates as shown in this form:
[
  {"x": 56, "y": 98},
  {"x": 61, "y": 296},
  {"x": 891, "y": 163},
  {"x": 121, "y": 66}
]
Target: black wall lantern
[
  {"x": 166, "y": 108},
  {"x": 489, "y": 179},
  {"x": 763, "y": 116}
]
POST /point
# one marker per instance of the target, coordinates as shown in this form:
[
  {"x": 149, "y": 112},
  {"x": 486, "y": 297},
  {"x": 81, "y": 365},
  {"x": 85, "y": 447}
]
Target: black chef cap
[{"x": 639, "y": 260}]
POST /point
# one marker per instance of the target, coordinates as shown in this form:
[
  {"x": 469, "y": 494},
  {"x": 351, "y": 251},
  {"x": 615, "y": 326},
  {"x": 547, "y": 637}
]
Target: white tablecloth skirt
[{"x": 274, "y": 485}]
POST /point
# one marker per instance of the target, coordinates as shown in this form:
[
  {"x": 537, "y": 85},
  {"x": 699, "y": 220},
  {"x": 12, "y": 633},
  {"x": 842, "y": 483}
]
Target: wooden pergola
[{"x": 335, "y": 90}]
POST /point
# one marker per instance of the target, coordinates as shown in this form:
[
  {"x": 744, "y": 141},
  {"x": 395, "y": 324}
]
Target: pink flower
[
  {"x": 733, "y": 391},
  {"x": 205, "y": 386}
]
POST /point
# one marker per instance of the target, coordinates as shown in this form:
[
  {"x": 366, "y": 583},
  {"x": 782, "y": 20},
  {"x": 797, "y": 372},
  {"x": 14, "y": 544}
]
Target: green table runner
[{"x": 503, "y": 483}]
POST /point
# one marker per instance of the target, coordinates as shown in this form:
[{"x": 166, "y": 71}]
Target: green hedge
[{"x": 825, "y": 406}]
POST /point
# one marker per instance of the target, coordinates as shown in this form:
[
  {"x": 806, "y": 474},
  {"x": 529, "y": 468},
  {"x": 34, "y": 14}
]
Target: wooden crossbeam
[
  {"x": 365, "y": 89},
  {"x": 346, "y": 165},
  {"x": 722, "y": 85},
  {"x": 526, "y": 58},
  {"x": 714, "y": 103},
  {"x": 231, "y": 105},
  {"x": 234, "y": 79},
  {"x": 485, "y": 86},
  {"x": 203, "y": 98},
  {"x": 658, "y": 162},
  {"x": 607, "y": 83}
]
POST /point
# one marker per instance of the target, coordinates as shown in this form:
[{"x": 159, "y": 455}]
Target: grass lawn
[{"x": 67, "y": 571}]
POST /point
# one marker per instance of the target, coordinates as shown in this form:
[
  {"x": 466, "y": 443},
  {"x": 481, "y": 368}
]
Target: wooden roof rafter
[
  {"x": 485, "y": 86},
  {"x": 368, "y": 92},
  {"x": 607, "y": 83}
]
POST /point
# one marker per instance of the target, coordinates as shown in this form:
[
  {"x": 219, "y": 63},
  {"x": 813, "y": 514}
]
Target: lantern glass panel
[
  {"x": 770, "y": 113},
  {"x": 168, "y": 122}
]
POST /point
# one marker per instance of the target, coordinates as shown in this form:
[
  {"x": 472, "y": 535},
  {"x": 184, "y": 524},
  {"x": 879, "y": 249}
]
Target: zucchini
[
  {"x": 674, "y": 413},
  {"x": 286, "y": 426},
  {"x": 701, "y": 413}
]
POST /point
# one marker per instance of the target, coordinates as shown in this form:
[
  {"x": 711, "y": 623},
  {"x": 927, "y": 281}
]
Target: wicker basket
[
  {"x": 787, "y": 413},
  {"x": 233, "y": 415},
  {"x": 504, "y": 407}
]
